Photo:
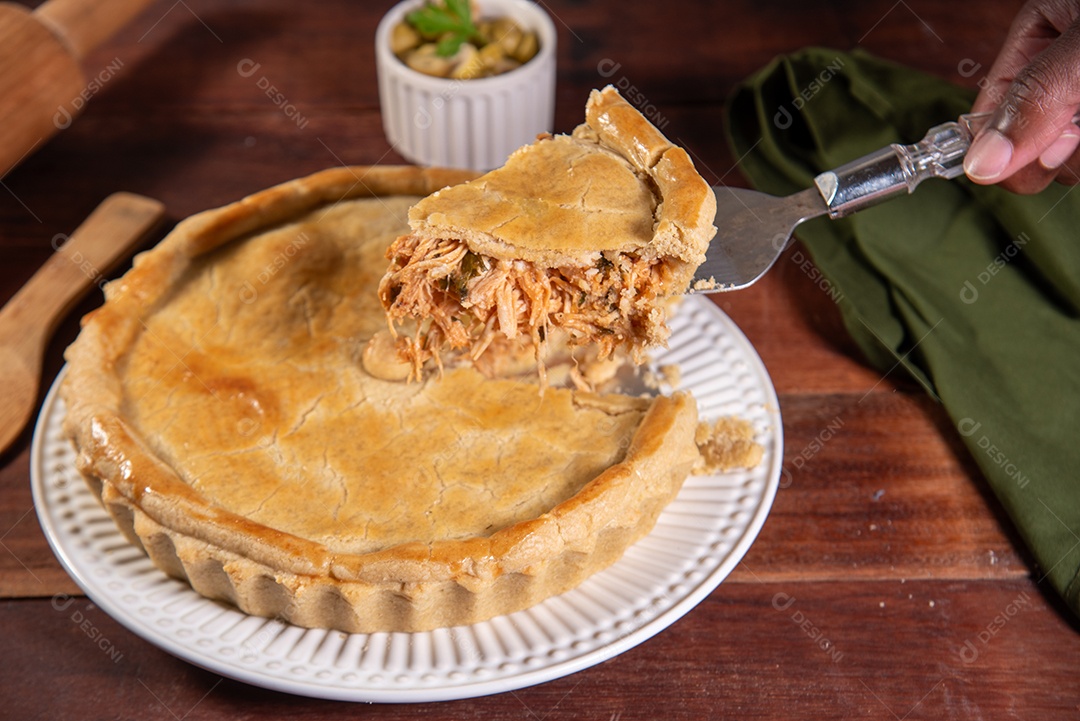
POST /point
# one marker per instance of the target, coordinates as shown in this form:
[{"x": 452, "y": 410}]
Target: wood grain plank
[
  {"x": 790, "y": 317},
  {"x": 180, "y": 63},
  {"x": 28, "y": 567},
  {"x": 922, "y": 649},
  {"x": 878, "y": 486},
  {"x": 188, "y": 55},
  {"x": 884, "y": 540}
]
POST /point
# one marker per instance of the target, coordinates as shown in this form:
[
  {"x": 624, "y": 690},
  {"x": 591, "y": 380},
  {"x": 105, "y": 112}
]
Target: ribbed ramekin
[{"x": 472, "y": 124}]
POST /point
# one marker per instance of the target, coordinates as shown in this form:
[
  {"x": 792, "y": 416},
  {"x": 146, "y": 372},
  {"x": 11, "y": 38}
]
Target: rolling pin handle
[{"x": 83, "y": 25}]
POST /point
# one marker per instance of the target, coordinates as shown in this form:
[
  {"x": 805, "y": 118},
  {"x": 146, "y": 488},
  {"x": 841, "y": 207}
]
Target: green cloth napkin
[{"x": 974, "y": 290}]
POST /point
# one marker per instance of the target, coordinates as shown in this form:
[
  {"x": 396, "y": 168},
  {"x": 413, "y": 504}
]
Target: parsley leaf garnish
[{"x": 452, "y": 20}]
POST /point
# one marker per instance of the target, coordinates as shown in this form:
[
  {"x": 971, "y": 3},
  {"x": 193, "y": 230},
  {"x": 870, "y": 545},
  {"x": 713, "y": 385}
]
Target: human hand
[{"x": 1033, "y": 90}]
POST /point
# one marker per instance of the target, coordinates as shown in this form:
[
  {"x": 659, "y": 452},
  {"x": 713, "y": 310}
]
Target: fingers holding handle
[{"x": 1033, "y": 91}]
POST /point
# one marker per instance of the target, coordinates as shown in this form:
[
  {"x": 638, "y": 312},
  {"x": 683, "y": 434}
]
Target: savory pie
[
  {"x": 221, "y": 409},
  {"x": 588, "y": 233}
]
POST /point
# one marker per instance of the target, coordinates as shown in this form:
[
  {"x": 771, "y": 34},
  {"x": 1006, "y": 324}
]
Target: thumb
[{"x": 1034, "y": 119}]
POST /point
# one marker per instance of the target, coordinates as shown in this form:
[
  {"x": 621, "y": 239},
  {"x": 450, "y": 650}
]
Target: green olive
[
  {"x": 485, "y": 29},
  {"x": 527, "y": 48},
  {"x": 469, "y": 64},
  {"x": 506, "y": 33},
  {"x": 491, "y": 54},
  {"x": 499, "y": 46},
  {"x": 471, "y": 265},
  {"x": 425, "y": 59},
  {"x": 504, "y": 66},
  {"x": 403, "y": 38}
]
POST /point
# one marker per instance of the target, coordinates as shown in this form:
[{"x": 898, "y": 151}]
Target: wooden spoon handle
[
  {"x": 109, "y": 234},
  {"x": 82, "y": 25}
]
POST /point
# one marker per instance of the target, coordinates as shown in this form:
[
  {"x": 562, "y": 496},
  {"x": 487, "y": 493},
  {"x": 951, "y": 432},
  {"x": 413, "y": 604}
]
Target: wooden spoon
[{"x": 28, "y": 320}]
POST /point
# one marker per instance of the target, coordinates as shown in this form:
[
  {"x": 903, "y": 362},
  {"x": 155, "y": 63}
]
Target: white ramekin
[{"x": 472, "y": 124}]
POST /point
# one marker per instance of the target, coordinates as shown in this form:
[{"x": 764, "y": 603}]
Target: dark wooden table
[{"x": 885, "y": 539}]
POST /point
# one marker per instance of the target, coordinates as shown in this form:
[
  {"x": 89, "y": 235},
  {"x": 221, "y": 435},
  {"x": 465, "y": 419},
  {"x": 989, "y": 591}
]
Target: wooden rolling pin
[{"x": 42, "y": 86}]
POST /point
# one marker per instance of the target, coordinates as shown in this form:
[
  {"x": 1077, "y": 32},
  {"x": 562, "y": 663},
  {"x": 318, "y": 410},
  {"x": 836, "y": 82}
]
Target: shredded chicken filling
[{"x": 463, "y": 300}]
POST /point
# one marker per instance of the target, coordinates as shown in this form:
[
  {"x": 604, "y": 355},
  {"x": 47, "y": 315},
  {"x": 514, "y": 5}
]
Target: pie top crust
[
  {"x": 218, "y": 403},
  {"x": 589, "y": 234},
  {"x": 616, "y": 184}
]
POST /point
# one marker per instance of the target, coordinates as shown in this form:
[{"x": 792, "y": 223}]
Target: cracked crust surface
[
  {"x": 615, "y": 185},
  {"x": 219, "y": 406}
]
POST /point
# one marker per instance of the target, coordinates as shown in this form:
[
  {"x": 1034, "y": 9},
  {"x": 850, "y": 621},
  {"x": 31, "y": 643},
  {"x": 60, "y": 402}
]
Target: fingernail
[
  {"x": 1060, "y": 150},
  {"x": 988, "y": 156}
]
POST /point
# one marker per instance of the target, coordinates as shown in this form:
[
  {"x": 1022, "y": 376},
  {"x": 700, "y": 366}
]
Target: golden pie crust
[
  {"x": 221, "y": 411},
  {"x": 590, "y": 234},
  {"x": 616, "y": 185}
]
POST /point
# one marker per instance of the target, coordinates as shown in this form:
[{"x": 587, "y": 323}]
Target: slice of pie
[
  {"x": 220, "y": 408},
  {"x": 588, "y": 233}
]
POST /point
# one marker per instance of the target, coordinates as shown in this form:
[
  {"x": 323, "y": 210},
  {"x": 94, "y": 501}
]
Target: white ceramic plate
[{"x": 696, "y": 543}]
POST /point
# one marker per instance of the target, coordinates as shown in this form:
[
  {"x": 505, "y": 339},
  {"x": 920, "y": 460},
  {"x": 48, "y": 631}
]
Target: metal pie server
[{"x": 754, "y": 228}]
